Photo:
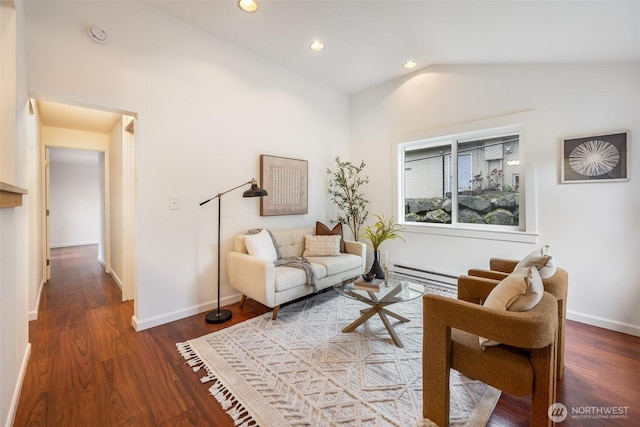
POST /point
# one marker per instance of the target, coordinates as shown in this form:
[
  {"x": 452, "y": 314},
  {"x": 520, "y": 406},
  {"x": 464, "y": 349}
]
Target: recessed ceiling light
[
  {"x": 409, "y": 65},
  {"x": 249, "y": 6},
  {"x": 316, "y": 46}
]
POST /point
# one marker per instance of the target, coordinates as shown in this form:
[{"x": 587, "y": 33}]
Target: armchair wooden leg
[
  {"x": 275, "y": 312},
  {"x": 562, "y": 326},
  {"x": 544, "y": 389},
  {"x": 242, "y": 300},
  {"x": 436, "y": 366},
  {"x": 436, "y": 396}
]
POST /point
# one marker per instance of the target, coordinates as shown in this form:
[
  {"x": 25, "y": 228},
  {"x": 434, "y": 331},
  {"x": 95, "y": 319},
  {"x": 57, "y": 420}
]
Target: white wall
[
  {"x": 32, "y": 163},
  {"x": 14, "y": 222},
  {"x": 206, "y": 111},
  {"x": 8, "y": 85},
  {"x": 115, "y": 205},
  {"x": 75, "y": 201},
  {"x": 593, "y": 229},
  {"x": 102, "y": 183}
]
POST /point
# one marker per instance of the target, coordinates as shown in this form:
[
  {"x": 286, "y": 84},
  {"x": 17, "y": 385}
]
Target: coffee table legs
[{"x": 366, "y": 314}]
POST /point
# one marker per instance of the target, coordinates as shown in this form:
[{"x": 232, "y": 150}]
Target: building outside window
[{"x": 471, "y": 178}]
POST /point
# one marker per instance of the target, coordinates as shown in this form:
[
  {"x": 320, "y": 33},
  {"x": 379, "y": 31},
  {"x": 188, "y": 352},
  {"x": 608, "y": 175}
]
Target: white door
[{"x": 47, "y": 223}]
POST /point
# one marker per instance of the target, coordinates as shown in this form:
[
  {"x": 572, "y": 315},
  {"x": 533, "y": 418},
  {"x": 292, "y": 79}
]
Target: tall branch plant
[{"x": 345, "y": 182}]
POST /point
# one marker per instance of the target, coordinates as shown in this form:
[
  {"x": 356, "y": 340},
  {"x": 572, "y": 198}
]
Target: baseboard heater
[{"x": 446, "y": 280}]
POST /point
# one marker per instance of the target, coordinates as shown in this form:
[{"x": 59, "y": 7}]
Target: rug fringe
[
  {"x": 236, "y": 411},
  {"x": 193, "y": 360},
  {"x": 184, "y": 348},
  {"x": 239, "y": 415},
  {"x": 223, "y": 395}
]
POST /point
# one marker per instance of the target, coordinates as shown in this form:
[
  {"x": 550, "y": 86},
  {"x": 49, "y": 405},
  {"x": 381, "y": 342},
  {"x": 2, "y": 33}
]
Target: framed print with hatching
[
  {"x": 286, "y": 183},
  {"x": 596, "y": 158}
]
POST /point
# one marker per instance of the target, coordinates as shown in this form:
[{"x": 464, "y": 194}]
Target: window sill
[{"x": 472, "y": 233}]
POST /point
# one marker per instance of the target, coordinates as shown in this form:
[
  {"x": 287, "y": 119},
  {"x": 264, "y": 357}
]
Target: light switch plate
[{"x": 174, "y": 203}]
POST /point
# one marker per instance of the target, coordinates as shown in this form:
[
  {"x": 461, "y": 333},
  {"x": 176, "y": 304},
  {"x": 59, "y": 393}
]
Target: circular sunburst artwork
[{"x": 594, "y": 158}]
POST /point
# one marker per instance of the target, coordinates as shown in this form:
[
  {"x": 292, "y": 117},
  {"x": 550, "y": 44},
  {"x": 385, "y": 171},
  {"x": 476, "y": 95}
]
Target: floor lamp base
[{"x": 218, "y": 316}]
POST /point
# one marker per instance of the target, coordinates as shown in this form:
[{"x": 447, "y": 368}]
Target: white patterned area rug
[{"x": 301, "y": 370}]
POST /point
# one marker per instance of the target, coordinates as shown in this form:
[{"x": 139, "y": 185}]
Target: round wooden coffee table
[{"x": 395, "y": 289}]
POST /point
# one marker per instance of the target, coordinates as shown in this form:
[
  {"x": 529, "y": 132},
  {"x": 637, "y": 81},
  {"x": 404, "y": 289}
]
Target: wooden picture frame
[
  {"x": 286, "y": 182},
  {"x": 595, "y": 158}
]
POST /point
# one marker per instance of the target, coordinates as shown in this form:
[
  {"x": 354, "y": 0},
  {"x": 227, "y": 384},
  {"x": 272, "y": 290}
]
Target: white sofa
[{"x": 272, "y": 286}]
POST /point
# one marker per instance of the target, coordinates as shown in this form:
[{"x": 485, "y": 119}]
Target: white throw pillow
[
  {"x": 321, "y": 245},
  {"x": 542, "y": 260},
  {"x": 261, "y": 246},
  {"x": 520, "y": 291}
]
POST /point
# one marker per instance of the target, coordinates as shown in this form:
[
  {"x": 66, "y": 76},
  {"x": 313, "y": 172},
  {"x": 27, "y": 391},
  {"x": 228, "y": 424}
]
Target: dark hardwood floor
[{"x": 88, "y": 367}]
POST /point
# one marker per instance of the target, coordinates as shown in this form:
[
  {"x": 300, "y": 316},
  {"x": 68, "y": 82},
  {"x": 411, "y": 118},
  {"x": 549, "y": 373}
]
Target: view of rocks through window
[{"x": 487, "y": 182}]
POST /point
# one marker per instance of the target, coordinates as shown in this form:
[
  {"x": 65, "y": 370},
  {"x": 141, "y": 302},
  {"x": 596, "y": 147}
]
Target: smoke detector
[{"x": 98, "y": 35}]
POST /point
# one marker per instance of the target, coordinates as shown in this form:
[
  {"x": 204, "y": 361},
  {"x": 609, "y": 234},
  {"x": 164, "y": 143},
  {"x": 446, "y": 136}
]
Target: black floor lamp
[{"x": 220, "y": 316}]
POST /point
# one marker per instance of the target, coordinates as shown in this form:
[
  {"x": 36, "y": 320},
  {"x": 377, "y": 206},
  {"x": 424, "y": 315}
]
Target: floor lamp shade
[
  {"x": 254, "y": 191},
  {"x": 218, "y": 315}
]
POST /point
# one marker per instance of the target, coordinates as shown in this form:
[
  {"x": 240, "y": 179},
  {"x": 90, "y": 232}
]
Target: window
[{"x": 468, "y": 180}]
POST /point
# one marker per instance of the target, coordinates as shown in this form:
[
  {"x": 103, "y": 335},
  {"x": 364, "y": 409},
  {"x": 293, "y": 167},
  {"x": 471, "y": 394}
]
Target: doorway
[
  {"x": 108, "y": 140},
  {"x": 76, "y": 198}
]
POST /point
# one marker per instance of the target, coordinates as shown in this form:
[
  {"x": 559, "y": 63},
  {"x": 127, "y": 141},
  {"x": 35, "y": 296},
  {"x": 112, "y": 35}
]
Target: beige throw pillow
[
  {"x": 519, "y": 291},
  {"x": 323, "y": 230},
  {"x": 321, "y": 245},
  {"x": 542, "y": 260}
]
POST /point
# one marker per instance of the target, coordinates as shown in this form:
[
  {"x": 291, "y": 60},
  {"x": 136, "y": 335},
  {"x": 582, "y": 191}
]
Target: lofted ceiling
[{"x": 367, "y": 41}]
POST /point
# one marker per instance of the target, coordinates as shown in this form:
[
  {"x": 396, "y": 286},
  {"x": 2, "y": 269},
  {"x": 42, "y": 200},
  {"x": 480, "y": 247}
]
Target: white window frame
[{"x": 522, "y": 123}]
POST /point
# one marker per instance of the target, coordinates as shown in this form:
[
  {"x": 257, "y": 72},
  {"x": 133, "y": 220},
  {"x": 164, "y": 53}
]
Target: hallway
[{"x": 88, "y": 367}]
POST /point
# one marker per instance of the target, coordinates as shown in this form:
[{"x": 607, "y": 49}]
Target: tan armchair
[
  {"x": 525, "y": 364},
  {"x": 557, "y": 285}
]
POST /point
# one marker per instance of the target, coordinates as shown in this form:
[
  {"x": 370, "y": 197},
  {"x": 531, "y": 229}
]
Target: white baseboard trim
[
  {"x": 116, "y": 279},
  {"x": 141, "y": 325},
  {"x": 66, "y": 245},
  {"x": 33, "y": 314},
  {"x": 16, "y": 392},
  {"x": 614, "y": 325}
]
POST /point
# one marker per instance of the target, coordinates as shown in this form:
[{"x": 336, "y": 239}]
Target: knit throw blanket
[
  {"x": 302, "y": 263},
  {"x": 293, "y": 261}
]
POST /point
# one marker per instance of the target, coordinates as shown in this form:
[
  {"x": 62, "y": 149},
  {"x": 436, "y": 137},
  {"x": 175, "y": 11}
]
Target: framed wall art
[
  {"x": 596, "y": 158},
  {"x": 286, "y": 183}
]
